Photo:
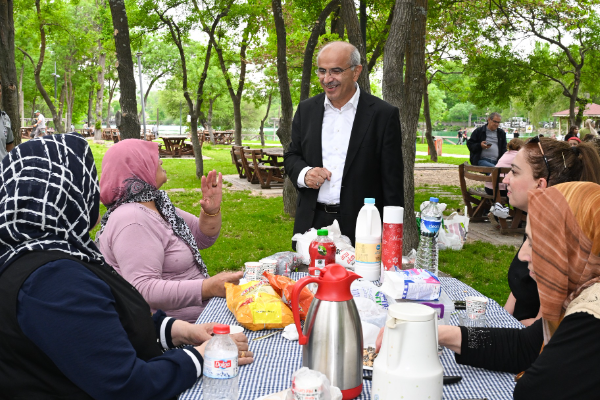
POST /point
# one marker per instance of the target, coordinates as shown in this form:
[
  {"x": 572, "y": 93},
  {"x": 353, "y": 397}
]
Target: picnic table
[
  {"x": 221, "y": 137},
  {"x": 175, "y": 146},
  {"x": 276, "y": 358}
]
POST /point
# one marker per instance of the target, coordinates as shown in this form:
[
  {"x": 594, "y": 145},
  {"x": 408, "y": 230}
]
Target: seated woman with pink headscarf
[{"x": 149, "y": 241}]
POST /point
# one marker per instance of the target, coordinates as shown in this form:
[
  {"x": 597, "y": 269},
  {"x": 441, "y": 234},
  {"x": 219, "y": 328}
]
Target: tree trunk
[
  {"x": 38, "y": 68},
  {"x": 100, "y": 91},
  {"x": 470, "y": 114},
  {"x": 307, "y": 65},
  {"x": 21, "y": 95},
  {"x": 111, "y": 92},
  {"x": 8, "y": 68},
  {"x": 261, "y": 132},
  {"x": 337, "y": 23},
  {"x": 284, "y": 132},
  {"x": 236, "y": 97},
  {"x": 130, "y": 125},
  {"x": 428, "y": 128},
  {"x": 355, "y": 37},
  {"x": 211, "y": 100},
  {"x": 393, "y": 92},
  {"x": 90, "y": 105}
]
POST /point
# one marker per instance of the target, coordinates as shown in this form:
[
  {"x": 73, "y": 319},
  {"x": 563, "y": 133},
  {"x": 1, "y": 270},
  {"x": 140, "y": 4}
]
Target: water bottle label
[
  {"x": 319, "y": 263},
  {"x": 368, "y": 252},
  {"x": 430, "y": 226},
  {"x": 220, "y": 368}
]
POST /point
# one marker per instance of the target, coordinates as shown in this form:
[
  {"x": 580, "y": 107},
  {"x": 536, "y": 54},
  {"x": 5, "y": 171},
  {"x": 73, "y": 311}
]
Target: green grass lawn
[
  {"x": 448, "y": 149},
  {"x": 255, "y": 227}
]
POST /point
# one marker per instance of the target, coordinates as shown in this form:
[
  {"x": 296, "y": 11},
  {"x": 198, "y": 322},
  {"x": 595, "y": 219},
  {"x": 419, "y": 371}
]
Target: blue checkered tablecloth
[{"x": 277, "y": 358}]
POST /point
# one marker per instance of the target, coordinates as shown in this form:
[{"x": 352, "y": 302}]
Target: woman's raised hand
[{"x": 212, "y": 192}]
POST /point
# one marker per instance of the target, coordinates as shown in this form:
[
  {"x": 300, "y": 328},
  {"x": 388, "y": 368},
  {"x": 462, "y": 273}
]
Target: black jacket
[
  {"x": 373, "y": 166},
  {"x": 478, "y": 136}
]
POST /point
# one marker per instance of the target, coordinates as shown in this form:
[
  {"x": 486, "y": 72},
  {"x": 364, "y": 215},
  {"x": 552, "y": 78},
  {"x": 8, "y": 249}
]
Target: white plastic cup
[
  {"x": 476, "y": 307},
  {"x": 233, "y": 329},
  {"x": 269, "y": 266},
  {"x": 252, "y": 270}
]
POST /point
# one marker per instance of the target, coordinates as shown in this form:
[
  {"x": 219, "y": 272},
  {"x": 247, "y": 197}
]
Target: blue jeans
[{"x": 486, "y": 162}]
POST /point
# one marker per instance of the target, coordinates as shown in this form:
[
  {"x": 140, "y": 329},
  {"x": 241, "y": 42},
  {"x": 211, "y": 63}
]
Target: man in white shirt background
[
  {"x": 346, "y": 146},
  {"x": 40, "y": 125}
]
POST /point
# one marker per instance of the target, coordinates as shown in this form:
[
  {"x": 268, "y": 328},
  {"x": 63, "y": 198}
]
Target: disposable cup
[
  {"x": 252, "y": 270},
  {"x": 476, "y": 307},
  {"x": 233, "y": 329},
  {"x": 269, "y": 266}
]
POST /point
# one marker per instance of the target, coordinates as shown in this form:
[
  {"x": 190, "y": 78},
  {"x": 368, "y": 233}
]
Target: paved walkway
[{"x": 424, "y": 153}]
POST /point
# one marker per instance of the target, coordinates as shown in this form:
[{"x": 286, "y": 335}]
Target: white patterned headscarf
[{"x": 49, "y": 198}]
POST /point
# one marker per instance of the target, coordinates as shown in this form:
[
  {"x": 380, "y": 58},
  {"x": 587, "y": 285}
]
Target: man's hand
[
  {"x": 484, "y": 145},
  {"x": 215, "y": 285},
  {"x": 316, "y": 176}
]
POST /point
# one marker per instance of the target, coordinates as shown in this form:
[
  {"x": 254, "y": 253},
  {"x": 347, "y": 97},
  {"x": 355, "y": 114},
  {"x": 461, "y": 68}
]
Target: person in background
[
  {"x": 149, "y": 241},
  {"x": 588, "y": 129},
  {"x": 72, "y": 328},
  {"x": 574, "y": 141},
  {"x": 516, "y": 134},
  {"x": 542, "y": 162},
  {"x": 39, "y": 126},
  {"x": 506, "y": 162},
  {"x": 487, "y": 143},
  {"x": 346, "y": 146},
  {"x": 7, "y": 140},
  {"x": 72, "y": 128},
  {"x": 573, "y": 132},
  {"x": 460, "y": 136},
  {"x": 464, "y": 141},
  {"x": 155, "y": 131},
  {"x": 562, "y": 253}
]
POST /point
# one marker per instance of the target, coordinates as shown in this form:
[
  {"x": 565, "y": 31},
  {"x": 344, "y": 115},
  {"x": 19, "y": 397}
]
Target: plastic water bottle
[
  {"x": 431, "y": 220},
  {"x": 220, "y": 381},
  {"x": 368, "y": 242}
]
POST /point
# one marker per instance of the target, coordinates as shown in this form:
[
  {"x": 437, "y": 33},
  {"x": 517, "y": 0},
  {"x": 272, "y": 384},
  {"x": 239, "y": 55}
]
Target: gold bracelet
[{"x": 211, "y": 215}]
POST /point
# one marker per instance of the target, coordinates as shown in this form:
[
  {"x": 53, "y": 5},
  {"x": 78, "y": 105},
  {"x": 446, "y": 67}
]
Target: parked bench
[{"x": 236, "y": 159}]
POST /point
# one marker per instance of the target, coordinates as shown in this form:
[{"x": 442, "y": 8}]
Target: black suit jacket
[{"x": 373, "y": 166}]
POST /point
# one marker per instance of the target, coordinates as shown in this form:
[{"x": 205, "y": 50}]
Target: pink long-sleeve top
[
  {"x": 142, "y": 247},
  {"x": 504, "y": 162}
]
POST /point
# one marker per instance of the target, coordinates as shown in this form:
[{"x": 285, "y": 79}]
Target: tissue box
[{"x": 411, "y": 284}]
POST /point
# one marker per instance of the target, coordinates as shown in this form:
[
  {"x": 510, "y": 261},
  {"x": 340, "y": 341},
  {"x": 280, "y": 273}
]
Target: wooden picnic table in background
[
  {"x": 26, "y": 132},
  {"x": 262, "y": 166},
  {"x": 221, "y": 137},
  {"x": 175, "y": 146}
]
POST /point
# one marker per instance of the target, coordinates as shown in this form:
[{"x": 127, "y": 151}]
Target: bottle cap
[
  {"x": 221, "y": 329},
  {"x": 322, "y": 232},
  {"x": 393, "y": 215},
  {"x": 434, "y": 199},
  {"x": 369, "y": 200}
]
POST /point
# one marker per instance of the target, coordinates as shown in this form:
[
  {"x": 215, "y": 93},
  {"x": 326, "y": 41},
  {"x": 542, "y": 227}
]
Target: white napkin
[{"x": 290, "y": 332}]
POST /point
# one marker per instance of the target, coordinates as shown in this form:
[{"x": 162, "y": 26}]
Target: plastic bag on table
[
  {"x": 454, "y": 234},
  {"x": 306, "y": 382},
  {"x": 370, "y": 312},
  {"x": 284, "y": 286},
  {"x": 368, "y": 290},
  {"x": 342, "y": 243},
  {"x": 286, "y": 261},
  {"x": 256, "y": 306}
]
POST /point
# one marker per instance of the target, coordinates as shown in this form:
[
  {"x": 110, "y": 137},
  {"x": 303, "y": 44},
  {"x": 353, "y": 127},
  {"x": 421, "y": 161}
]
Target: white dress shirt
[{"x": 335, "y": 137}]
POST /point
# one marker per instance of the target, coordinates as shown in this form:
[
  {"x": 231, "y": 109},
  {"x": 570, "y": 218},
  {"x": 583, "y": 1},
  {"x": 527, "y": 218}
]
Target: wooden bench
[
  {"x": 258, "y": 170},
  {"x": 479, "y": 202},
  {"x": 236, "y": 159}
]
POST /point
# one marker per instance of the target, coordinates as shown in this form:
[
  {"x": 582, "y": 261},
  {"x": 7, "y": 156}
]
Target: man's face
[
  {"x": 339, "y": 87},
  {"x": 493, "y": 123}
]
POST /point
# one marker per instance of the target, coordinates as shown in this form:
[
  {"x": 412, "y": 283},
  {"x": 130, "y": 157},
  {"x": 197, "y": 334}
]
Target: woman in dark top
[
  {"x": 541, "y": 163},
  {"x": 557, "y": 356},
  {"x": 72, "y": 328}
]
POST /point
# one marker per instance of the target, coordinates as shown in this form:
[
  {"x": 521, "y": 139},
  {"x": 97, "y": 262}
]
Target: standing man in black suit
[{"x": 346, "y": 146}]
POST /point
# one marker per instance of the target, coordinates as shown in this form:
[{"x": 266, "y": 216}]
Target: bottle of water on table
[
  {"x": 220, "y": 381},
  {"x": 427, "y": 253}
]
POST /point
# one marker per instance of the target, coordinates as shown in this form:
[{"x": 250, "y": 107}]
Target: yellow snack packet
[{"x": 256, "y": 306}]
